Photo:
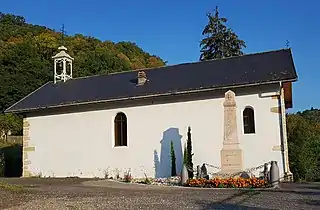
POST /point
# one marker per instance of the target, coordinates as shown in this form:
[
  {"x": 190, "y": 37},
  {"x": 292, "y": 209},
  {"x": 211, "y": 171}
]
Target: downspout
[{"x": 287, "y": 173}]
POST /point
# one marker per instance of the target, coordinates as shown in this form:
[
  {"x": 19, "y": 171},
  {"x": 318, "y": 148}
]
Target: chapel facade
[{"x": 125, "y": 122}]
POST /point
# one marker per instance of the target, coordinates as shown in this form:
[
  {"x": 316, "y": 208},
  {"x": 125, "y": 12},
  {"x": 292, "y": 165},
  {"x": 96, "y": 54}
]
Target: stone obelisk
[{"x": 231, "y": 154}]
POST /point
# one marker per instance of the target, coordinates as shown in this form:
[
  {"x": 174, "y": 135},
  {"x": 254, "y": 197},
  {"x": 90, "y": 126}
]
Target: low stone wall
[{"x": 14, "y": 139}]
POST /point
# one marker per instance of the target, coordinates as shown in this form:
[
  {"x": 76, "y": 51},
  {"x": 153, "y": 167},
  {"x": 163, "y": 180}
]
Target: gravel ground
[{"x": 104, "y": 194}]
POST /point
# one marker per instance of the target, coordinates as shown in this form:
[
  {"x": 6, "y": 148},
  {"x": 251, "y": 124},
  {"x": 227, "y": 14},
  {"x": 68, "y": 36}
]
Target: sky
[{"x": 172, "y": 29}]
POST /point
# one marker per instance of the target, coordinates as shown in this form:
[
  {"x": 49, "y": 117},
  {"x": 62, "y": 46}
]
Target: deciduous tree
[
  {"x": 304, "y": 145},
  {"x": 9, "y": 123}
]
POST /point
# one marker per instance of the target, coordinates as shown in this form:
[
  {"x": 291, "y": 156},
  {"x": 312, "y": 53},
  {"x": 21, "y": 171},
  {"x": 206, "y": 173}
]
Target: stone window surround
[
  {"x": 123, "y": 121},
  {"x": 254, "y": 121}
]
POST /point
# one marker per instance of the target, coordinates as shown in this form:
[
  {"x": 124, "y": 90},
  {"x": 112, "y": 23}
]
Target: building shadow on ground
[{"x": 228, "y": 202}]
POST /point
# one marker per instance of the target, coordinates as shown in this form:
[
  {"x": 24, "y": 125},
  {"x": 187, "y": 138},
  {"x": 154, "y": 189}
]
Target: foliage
[
  {"x": 11, "y": 187},
  {"x": 185, "y": 155},
  {"x": 312, "y": 115},
  {"x": 304, "y": 144},
  {"x": 220, "y": 41},
  {"x": 173, "y": 160},
  {"x": 106, "y": 173},
  {"x": 10, "y": 122},
  {"x": 2, "y": 164},
  {"x": 146, "y": 180},
  {"x": 188, "y": 154},
  {"x": 127, "y": 176},
  {"x": 12, "y": 154},
  {"x": 228, "y": 183},
  {"x": 26, "y": 51}
]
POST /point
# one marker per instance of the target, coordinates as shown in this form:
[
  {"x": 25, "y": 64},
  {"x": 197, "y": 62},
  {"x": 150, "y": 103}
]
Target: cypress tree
[
  {"x": 173, "y": 161},
  {"x": 189, "y": 154},
  {"x": 185, "y": 162}
]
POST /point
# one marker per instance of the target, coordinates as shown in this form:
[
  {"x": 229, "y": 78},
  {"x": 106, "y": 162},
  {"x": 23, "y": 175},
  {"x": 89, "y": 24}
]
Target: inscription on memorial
[{"x": 231, "y": 160}]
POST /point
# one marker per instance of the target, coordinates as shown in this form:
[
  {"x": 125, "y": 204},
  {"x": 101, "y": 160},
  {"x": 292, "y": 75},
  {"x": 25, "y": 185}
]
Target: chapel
[{"x": 125, "y": 122}]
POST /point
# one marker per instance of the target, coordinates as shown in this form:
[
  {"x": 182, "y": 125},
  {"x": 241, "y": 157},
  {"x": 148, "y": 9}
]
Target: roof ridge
[{"x": 188, "y": 63}]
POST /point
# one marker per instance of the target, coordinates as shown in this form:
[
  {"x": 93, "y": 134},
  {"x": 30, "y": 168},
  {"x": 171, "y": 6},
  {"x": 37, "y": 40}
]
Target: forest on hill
[{"x": 26, "y": 51}]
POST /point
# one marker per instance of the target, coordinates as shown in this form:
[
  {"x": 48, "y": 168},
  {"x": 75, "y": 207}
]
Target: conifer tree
[
  {"x": 173, "y": 161},
  {"x": 189, "y": 154},
  {"x": 185, "y": 155},
  {"x": 220, "y": 41}
]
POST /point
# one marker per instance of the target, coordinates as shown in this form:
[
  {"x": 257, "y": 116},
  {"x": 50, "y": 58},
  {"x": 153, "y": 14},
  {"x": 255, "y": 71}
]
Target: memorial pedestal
[
  {"x": 231, "y": 160},
  {"x": 231, "y": 154}
]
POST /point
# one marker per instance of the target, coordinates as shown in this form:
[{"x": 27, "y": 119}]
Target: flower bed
[
  {"x": 228, "y": 183},
  {"x": 204, "y": 183}
]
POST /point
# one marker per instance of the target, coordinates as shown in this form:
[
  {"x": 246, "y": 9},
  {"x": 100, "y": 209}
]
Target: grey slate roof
[{"x": 251, "y": 69}]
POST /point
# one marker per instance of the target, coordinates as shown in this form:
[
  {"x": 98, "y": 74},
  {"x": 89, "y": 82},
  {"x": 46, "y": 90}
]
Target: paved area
[{"x": 76, "y": 193}]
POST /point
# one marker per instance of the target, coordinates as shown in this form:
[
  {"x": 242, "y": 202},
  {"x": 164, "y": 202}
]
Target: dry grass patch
[{"x": 11, "y": 187}]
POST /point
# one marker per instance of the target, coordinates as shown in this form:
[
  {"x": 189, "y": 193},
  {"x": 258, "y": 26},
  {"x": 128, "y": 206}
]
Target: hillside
[
  {"x": 312, "y": 115},
  {"x": 26, "y": 51}
]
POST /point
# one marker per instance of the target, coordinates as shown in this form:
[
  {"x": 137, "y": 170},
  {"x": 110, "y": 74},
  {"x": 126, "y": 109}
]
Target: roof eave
[
  {"x": 8, "y": 109},
  {"x": 145, "y": 96}
]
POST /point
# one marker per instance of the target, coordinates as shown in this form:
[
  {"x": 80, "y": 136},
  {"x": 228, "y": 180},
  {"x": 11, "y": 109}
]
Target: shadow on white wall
[{"x": 163, "y": 164}]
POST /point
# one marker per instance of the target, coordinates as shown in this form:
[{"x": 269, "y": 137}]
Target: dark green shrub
[
  {"x": 188, "y": 157},
  {"x": 12, "y": 155},
  {"x": 173, "y": 161},
  {"x": 2, "y": 164}
]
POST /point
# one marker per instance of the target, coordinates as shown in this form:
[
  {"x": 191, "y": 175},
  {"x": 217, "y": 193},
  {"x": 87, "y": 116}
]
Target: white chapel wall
[{"x": 82, "y": 144}]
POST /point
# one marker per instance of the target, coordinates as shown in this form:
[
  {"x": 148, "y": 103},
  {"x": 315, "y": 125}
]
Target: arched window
[
  {"x": 248, "y": 120},
  {"x": 120, "y": 130}
]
